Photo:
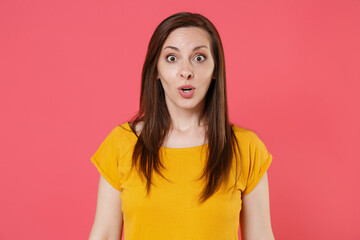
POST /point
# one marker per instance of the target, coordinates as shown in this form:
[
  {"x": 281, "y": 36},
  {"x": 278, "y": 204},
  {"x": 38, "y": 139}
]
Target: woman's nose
[{"x": 186, "y": 72}]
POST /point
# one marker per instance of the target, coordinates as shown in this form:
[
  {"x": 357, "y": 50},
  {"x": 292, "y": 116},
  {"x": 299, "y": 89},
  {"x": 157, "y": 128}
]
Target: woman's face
[{"x": 185, "y": 68}]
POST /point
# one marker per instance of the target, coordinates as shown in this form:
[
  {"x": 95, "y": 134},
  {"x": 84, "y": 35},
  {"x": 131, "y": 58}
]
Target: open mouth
[{"x": 186, "y": 90}]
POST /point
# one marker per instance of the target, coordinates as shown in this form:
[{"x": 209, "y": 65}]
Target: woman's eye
[
  {"x": 171, "y": 58},
  {"x": 200, "y": 58}
]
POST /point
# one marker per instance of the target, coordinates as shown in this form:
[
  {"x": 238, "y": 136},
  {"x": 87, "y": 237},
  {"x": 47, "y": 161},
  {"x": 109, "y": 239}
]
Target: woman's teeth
[{"x": 186, "y": 90}]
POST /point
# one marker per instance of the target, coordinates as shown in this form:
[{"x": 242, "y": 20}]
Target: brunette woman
[{"x": 179, "y": 169}]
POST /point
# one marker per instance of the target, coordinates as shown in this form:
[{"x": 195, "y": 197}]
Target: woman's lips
[{"x": 186, "y": 91}]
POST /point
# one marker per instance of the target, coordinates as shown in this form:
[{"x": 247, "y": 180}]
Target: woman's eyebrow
[{"x": 195, "y": 48}]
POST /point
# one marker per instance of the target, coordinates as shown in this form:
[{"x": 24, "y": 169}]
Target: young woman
[{"x": 180, "y": 169}]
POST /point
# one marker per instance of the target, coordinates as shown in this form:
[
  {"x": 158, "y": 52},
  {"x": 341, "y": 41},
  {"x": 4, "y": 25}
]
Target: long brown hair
[{"x": 156, "y": 119}]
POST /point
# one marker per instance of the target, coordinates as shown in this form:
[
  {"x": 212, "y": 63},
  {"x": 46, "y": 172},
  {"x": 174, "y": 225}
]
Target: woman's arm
[
  {"x": 255, "y": 214},
  {"x": 108, "y": 217}
]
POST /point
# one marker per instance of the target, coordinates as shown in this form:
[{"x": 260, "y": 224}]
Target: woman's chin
[{"x": 188, "y": 105}]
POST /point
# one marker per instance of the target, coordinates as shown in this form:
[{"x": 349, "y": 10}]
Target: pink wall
[{"x": 70, "y": 71}]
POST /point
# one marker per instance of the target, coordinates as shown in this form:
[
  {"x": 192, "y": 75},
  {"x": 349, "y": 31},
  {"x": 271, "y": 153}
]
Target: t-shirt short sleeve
[
  {"x": 259, "y": 162},
  {"x": 106, "y": 159}
]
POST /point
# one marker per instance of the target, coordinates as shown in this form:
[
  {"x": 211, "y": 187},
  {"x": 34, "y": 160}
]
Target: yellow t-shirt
[{"x": 171, "y": 211}]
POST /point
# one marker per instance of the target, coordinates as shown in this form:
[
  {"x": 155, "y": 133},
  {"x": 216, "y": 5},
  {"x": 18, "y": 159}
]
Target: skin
[
  {"x": 108, "y": 222},
  {"x": 255, "y": 214},
  {"x": 179, "y": 64},
  {"x": 186, "y": 59}
]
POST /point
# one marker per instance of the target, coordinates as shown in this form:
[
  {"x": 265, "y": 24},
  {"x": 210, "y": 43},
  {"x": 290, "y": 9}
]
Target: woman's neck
[{"x": 184, "y": 120}]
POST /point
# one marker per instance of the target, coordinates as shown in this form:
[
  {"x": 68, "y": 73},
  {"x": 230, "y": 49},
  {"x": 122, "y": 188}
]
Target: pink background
[{"x": 70, "y": 72}]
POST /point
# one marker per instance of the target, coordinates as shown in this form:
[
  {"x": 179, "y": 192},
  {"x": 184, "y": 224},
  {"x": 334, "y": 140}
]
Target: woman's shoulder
[
  {"x": 241, "y": 131},
  {"x": 124, "y": 128},
  {"x": 122, "y": 136},
  {"x": 245, "y": 135}
]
